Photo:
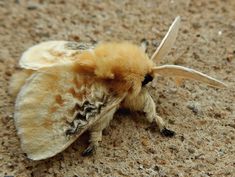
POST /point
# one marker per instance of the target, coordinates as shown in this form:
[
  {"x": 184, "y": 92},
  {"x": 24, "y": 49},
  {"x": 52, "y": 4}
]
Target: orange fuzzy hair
[{"x": 122, "y": 63}]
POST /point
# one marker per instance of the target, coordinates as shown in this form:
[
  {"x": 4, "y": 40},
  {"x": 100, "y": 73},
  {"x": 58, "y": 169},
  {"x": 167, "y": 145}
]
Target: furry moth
[{"x": 67, "y": 88}]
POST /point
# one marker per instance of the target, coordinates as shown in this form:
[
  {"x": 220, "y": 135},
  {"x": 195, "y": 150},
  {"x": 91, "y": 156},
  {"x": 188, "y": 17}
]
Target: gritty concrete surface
[{"x": 202, "y": 117}]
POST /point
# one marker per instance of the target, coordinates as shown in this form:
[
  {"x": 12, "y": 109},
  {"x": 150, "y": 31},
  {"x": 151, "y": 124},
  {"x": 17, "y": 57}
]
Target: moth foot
[
  {"x": 168, "y": 133},
  {"x": 89, "y": 150}
]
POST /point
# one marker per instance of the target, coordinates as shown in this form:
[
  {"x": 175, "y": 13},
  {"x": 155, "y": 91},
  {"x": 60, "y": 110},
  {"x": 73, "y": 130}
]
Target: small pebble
[
  {"x": 196, "y": 25},
  {"x": 172, "y": 90},
  {"x": 155, "y": 43},
  {"x": 32, "y": 6},
  {"x": 171, "y": 121},
  {"x": 182, "y": 138},
  {"x": 204, "y": 175},
  {"x": 190, "y": 150},
  {"x": 156, "y": 168},
  {"x": 194, "y": 107},
  {"x": 145, "y": 142},
  {"x": 173, "y": 147},
  {"x": 229, "y": 109},
  {"x": 231, "y": 125}
]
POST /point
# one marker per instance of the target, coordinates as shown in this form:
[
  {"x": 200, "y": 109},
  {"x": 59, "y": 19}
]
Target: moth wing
[
  {"x": 18, "y": 80},
  {"x": 167, "y": 41},
  {"x": 181, "y": 72},
  {"x": 53, "y": 102},
  {"x": 50, "y": 53}
]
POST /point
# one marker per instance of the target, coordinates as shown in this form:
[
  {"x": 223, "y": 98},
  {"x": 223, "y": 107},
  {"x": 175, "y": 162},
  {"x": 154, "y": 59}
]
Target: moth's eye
[{"x": 147, "y": 78}]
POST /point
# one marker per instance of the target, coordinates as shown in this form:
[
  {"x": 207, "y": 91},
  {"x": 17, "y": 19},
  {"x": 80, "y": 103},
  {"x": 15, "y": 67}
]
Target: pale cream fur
[{"x": 144, "y": 102}]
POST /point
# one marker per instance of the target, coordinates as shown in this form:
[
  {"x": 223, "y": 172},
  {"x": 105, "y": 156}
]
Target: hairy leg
[
  {"x": 96, "y": 133},
  {"x": 95, "y": 138},
  {"x": 144, "y": 102}
]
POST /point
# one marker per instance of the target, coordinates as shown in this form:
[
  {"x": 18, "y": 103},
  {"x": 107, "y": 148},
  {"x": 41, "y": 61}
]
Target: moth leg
[
  {"x": 95, "y": 138},
  {"x": 145, "y": 103},
  {"x": 96, "y": 133},
  {"x": 151, "y": 115},
  {"x": 164, "y": 131}
]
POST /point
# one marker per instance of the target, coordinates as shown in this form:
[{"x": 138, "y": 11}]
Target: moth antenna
[
  {"x": 187, "y": 73},
  {"x": 167, "y": 41}
]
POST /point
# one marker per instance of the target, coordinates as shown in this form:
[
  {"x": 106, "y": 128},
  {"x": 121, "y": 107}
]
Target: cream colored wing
[
  {"x": 55, "y": 107},
  {"x": 167, "y": 41},
  {"x": 18, "y": 80},
  {"x": 51, "y": 53},
  {"x": 181, "y": 72}
]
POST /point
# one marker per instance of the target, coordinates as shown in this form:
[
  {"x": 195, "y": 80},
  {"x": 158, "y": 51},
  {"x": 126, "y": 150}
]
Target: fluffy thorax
[{"x": 122, "y": 64}]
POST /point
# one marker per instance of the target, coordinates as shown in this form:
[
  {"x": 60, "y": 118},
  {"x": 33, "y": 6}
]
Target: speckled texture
[{"x": 203, "y": 117}]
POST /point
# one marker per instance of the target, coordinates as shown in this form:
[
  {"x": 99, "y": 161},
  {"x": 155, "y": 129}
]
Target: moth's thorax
[{"x": 122, "y": 64}]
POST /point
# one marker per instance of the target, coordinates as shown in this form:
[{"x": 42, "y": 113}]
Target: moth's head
[
  {"x": 147, "y": 78},
  {"x": 162, "y": 50}
]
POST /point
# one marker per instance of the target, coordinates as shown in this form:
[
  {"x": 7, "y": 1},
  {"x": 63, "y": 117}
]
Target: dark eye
[{"x": 147, "y": 78}]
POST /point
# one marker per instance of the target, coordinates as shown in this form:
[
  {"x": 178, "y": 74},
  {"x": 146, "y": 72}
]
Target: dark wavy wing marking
[
  {"x": 78, "y": 46},
  {"x": 85, "y": 113}
]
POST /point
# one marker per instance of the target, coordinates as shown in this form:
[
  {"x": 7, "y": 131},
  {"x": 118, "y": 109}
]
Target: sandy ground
[{"x": 202, "y": 117}]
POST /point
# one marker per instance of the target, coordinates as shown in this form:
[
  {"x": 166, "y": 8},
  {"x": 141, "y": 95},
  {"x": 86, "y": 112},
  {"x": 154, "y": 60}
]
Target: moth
[{"x": 67, "y": 88}]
